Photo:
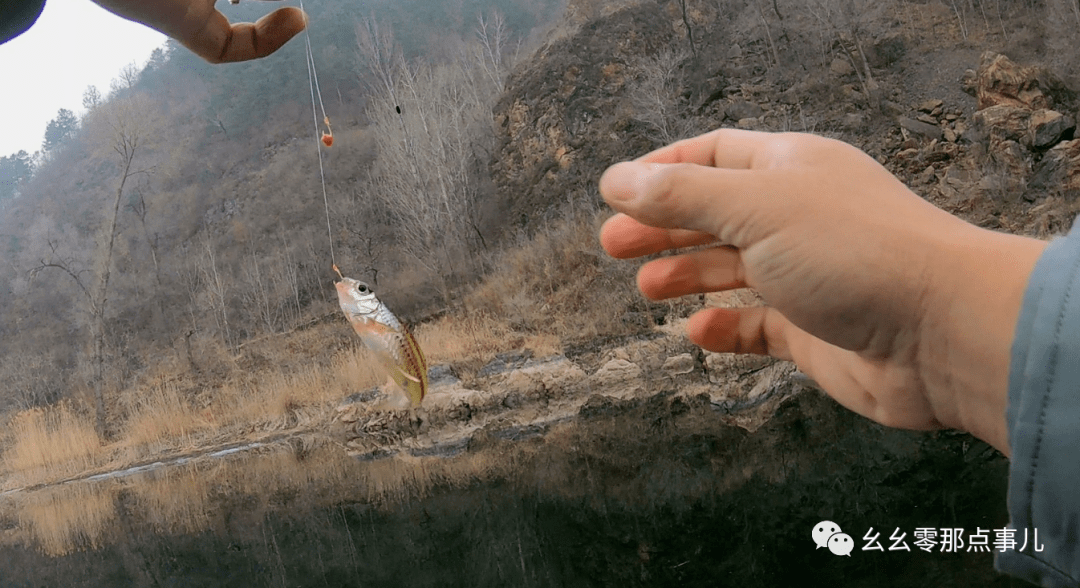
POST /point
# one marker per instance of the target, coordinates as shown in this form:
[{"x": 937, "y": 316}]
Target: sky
[{"x": 74, "y": 44}]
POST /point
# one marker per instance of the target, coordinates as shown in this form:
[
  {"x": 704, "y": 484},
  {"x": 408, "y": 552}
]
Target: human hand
[
  {"x": 900, "y": 311},
  {"x": 205, "y": 31}
]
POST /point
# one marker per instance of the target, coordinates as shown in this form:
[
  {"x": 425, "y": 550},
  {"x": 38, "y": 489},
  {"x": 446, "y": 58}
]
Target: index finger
[
  {"x": 725, "y": 148},
  {"x": 624, "y": 237}
]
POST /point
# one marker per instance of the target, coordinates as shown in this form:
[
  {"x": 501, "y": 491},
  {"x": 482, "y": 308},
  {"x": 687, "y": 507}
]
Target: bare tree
[
  {"x": 124, "y": 81},
  {"x": 429, "y": 123},
  {"x": 491, "y": 48},
  {"x": 686, "y": 23},
  {"x": 127, "y": 128},
  {"x": 843, "y": 21},
  {"x": 1062, "y": 24},
  {"x": 217, "y": 286},
  {"x": 655, "y": 95}
]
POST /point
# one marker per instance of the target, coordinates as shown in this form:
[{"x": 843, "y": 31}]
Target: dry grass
[
  {"x": 163, "y": 413},
  {"x": 478, "y": 338},
  {"x": 276, "y": 395},
  {"x": 49, "y": 444},
  {"x": 174, "y": 500},
  {"x": 53, "y": 443},
  {"x": 68, "y": 518},
  {"x": 558, "y": 283},
  {"x": 191, "y": 498},
  {"x": 555, "y": 288}
]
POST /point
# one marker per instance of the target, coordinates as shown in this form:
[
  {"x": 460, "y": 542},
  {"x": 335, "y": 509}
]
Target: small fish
[{"x": 391, "y": 342}]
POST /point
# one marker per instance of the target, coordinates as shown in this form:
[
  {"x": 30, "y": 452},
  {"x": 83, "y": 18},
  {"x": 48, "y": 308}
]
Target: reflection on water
[{"x": 646, "y": 493}]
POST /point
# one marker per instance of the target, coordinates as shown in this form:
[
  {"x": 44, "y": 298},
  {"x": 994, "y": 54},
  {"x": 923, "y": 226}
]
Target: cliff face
[{"x": 563, "y": 117}]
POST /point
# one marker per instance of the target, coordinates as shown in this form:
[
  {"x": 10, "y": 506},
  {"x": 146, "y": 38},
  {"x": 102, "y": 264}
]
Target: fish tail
[{"x": 415, "y": 365}]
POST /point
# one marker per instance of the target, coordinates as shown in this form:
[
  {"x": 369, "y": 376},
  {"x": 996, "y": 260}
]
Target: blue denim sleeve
[{"x": 1043, "y": 418}]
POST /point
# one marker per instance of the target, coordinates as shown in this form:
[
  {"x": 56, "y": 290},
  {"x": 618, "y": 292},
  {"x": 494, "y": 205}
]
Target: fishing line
[{"x": 313, "y": 86}]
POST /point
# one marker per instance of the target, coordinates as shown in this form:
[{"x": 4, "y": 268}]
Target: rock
[
  {"x": 505, "y": 362},
  {"x": 637, "y": 320},
  {"x": 949, "y": 135},
  {"x": 929, "y": 106},
  {"x": 907, "y": 156},
  {"x": 1047, "y": 127},
  {"x": 789, "y": 96},
  {"x": 618, "y": 378},
  {"x": 543, "y": 379},
  {"x": 749, "y": 124},
  {"x": 926, "y": 118},
  {"x": 887, "y": 50},
  {"x": 679, "y": 364},
  {"x": 958, "y": 178},
  {"x": 841, "y": 67},
  {"x": 456, "y": 401},
  {"x": 920, "y": 128},
  {"x": 1000, "y": 81},
  {"x": 442, "y": 375},
  {"x": 743, "y": 109},
  {"x": 1059, "y": 171},
  {"x": 891, "y": 108},
  {"x": 969, "y": 83},
  {"x": 1003, "y": 122},
  {"x": 1005, "y": 175},
  {"x": 926, "y": 176},
  {"x": 726, "y": 368},
  {"x": 853, "y": 121}
]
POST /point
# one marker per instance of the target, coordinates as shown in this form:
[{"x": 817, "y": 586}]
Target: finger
[
  {"x": 710, "y": 270},
  {"x": 623, "y": 237},
  {"x": 720, "y": 202},
  {"x": 725, "y": 148},
  {"x": 222, "y": 42},
  {"x": 761, "y": 330}
]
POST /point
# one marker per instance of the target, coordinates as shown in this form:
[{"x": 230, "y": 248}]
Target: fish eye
[{"x": 362, "y": 288}]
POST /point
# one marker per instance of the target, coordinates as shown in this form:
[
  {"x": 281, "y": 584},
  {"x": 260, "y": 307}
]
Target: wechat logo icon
[{"x": 828, "y": 534}]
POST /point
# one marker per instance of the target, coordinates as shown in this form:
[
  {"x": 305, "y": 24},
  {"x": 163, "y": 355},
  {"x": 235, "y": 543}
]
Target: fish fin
[{"x": 408, "y": 376}]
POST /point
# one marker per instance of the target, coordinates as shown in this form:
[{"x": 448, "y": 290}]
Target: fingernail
[{"x": 627, "y": 181}]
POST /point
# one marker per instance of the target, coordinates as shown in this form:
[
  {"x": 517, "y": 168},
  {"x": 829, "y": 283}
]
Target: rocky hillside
[{"x": 963, "y": 124}]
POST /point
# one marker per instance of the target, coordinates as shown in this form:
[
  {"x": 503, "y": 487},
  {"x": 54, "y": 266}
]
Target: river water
[{"x": 656, "y": 492}]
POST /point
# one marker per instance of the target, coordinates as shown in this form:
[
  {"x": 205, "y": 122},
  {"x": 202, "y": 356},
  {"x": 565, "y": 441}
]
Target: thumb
[
  {"x": 223, "y": 42},
  {"x": 683, "y": 196}
]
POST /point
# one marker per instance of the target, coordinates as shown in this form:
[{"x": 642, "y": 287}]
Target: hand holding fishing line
[
  {"x": 200, "y": 27},
  {"x": 900, "y": 311}
]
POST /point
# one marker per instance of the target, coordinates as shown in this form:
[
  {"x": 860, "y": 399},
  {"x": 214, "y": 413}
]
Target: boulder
[
  {"x": 1000, "y": 81},
  {"x": 1058, "y": 173},
  {"x": 887, "y": 50},
  {"x": 743, "y": 109},
  {"x": 749, "y": 124},
  {"x": 920, "y": 128},
  {"x": 1003, "y": 122},
  {"x": 1047, "y": 127},
  {"x": 841, "y": 67}
]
